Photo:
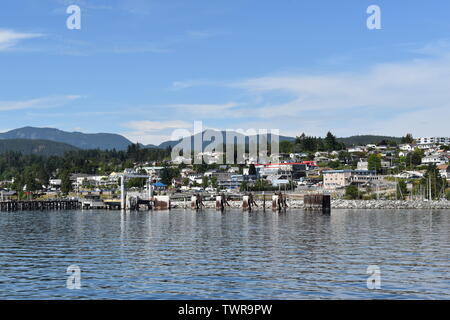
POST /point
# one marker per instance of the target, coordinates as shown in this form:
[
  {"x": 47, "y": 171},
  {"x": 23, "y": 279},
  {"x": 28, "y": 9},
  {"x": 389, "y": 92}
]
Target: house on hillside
[
  {"x": 444, "y": 170},
  {"x": 435, "y": 159}
]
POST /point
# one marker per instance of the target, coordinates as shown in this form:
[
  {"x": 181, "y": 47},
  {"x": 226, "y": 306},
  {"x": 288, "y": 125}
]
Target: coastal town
[
  {"x": 224, "y": 159},
  {"x": 413, "y": 169}
]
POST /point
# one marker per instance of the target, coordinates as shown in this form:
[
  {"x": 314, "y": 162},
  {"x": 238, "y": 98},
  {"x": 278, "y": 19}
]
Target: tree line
[{"x": 31, "y": 172}]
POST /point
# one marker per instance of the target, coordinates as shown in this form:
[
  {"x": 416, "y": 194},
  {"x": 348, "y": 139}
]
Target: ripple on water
[{"x": 208, "y": 255}]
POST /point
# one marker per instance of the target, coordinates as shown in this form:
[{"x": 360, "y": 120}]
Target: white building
[
  {"x": 362, "y": 165},
  {"x": 356, "y": 149},
  {"x": 181, "y": 159},
  {"x": 55, "y": 182},
  {"x": 435, "y": 159},
  {"x": 333, "y": 179},
  {"x": 154, "y": 171},
  {"x": 444, "y": 170},
  {"x": 433, "y": 140},
  {"x": 406, "y": 147}
]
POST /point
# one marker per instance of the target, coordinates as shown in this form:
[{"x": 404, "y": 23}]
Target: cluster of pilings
[
  {"x": 317, "y": 202},
  {"x": 39, "y": 205}
]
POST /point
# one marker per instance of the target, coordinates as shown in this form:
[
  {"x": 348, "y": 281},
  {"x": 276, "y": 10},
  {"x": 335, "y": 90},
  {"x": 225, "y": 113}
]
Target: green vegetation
[
  {"x": 103, "y": 141},
  {"x": 374, "y": 162},
  {"x": 167, "y": 174},
  {"x": 36, "y": 147},
  {"x": 407, "y": 139},
  {"x": 311, "y": 144},
  {"x": 66, "y": 184},
  {"x": 32, "y": 171},
  {"x": 447, "y": 194},
  {"x": 402, "y": 190},
  {"x": 352, "y": 193},
  {"x": 433, "y": 180},
  {"x": 367, "y": 139}
]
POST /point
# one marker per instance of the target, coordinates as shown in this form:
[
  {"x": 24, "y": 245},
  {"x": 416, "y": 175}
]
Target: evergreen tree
[
  {"x": 402, "y": 190},
  {"x": 331, "y": 142},
  {"x": 66, "y": 184},
  {"x": 432, "y": 180},
  {"x": 351, "y": 192},
  {"x": 408, "y": 138},
  {"x": 374, "y": 162}
]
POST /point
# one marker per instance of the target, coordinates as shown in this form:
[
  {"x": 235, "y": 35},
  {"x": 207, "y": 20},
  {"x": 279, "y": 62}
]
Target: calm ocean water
[{"x": 209, "y": 255}]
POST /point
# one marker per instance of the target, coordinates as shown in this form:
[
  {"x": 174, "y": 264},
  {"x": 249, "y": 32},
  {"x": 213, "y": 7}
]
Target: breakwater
[
  {"x": 338, "y": 204},
  {"x": 238, "y": 204},
  {"x": 389, "y": 204}
]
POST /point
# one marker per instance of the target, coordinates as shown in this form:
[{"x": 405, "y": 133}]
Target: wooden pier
[{"x": 39, "y": 205}]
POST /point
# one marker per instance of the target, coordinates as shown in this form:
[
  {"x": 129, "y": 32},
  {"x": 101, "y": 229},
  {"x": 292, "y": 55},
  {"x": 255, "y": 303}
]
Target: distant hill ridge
[
  {"x": 80, "y": 140},
  {"x": 36, "y": 147},
  {"x": 207, "y": 141},
  {"x": 109, "y": 141},
  {"x": 367, "y": 139}
]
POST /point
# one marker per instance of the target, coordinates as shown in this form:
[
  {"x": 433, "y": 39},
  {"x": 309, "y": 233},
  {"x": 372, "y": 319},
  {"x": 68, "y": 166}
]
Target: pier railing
[{"x": 18, "y": 205}]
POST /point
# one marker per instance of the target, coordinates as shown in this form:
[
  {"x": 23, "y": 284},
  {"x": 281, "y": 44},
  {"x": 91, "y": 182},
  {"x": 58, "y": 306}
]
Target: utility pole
[
  {"x": 396, "y": 189},
  {"x": 429, "y": 186},
  {"x": 122, "y": 192}
]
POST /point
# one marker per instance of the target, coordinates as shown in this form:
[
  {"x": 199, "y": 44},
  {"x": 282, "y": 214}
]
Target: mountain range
[
  {"x": 206, "y": 135},
  {"x": 77, "y": 139},
  {"x": 51, "y": 141}
]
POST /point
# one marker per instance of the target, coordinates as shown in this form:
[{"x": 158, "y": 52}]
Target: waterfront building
[
  {"x": 333, "y": 179},
  {"x": 54, "y": 183},
  {"x": 7, "y": 195},
  {"x": 294, "y": 170}
]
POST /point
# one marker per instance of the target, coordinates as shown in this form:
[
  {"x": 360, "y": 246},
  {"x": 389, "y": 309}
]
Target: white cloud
[
  {"x": 38, "y": 103},
  {"x": 185, "y": 84},
  {"x": 392, "y": 88},
  {"x": 437, "y": 48},
  {"x": 145, "y": 138},
  {"x": 147, "y": 126},
  {"x": 202, "y": 111},
  {"x": 153, "y": 132},
  {"x": 10, "y": 38}
]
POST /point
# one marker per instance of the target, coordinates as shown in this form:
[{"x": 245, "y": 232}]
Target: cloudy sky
[{"x": 144, "y": 68}]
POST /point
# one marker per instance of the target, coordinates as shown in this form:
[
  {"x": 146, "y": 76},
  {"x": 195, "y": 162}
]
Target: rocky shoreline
[
  {"x": 389, "y": 204},
  {"x": 342, "y": 204}
]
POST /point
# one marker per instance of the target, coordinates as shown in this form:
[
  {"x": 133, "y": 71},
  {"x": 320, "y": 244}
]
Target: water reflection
[{"x": 183, "y": 254}]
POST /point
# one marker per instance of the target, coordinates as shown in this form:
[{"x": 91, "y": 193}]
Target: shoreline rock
[{"x": 340, "y": 204}]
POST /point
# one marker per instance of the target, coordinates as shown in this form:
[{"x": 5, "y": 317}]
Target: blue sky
[{"x": 144, "y": 68}]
